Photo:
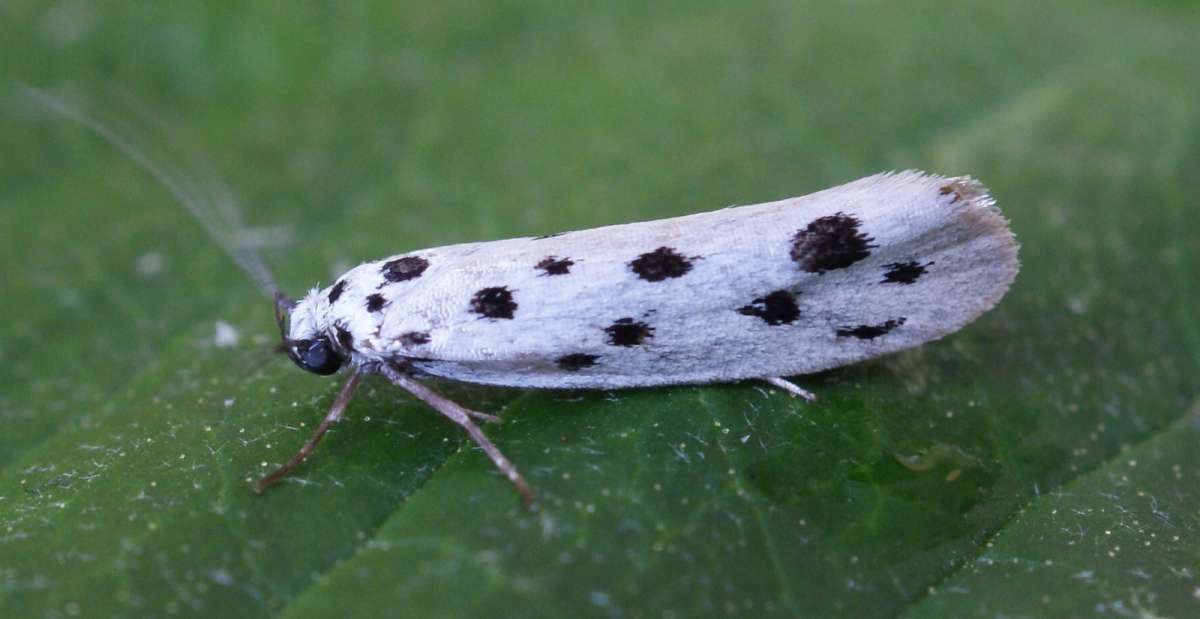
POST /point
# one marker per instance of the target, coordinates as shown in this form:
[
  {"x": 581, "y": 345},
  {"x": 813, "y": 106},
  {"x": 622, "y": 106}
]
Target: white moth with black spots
[
  {"x": 765, "y": 291},
  {"x": 754, "y": 292}
]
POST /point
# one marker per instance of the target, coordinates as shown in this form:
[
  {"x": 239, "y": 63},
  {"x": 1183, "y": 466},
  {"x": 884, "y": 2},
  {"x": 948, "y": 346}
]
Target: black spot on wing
[
  {"x": 951, "y": 189},
  {"x": 660, "y": 264},
  {"x": 404, "y": 269},
  {"x": 576, "y": 361},
  {"x": 777, "y": 308},
  {"x": 548, "y": 236},
  {"x": 336, "y": 292},
  {"x": 414, "y": 338},
  {"x": 494, "y": 302},
  {"x": 628, "y": 332},
  {"x": 375, "y": 302},
  {"x": 870, "y": 332},
  {"x": 832, "y": 242},
  {"x": 345, "y": 339},
  {"x": 903, "y": 272},
  {"x": 553, "y": 265}
]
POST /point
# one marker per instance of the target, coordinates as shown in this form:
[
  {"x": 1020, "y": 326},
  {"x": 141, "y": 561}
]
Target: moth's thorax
[{"x": 351, "y": 312}]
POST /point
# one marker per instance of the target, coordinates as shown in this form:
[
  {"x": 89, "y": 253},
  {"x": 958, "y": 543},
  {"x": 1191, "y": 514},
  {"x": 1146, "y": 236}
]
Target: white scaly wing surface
[{"x": 777, "y": 289}]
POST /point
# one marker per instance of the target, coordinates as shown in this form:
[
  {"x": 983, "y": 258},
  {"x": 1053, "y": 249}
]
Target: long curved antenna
[
  {"x": 283, "y": 309},
  {"x": 210, "y": 202}
]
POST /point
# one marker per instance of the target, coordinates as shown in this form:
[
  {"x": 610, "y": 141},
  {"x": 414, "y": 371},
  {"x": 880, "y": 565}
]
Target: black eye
[{"x": 316, "y": 356}]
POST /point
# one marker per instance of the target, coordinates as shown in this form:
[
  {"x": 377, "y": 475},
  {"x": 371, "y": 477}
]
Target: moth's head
[{"x": 304, "y": 343}]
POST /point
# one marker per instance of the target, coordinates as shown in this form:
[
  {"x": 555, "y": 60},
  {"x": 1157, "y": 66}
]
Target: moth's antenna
[
  {"x": 211, "y": 202},
  {"x": 283, "y": 309}
]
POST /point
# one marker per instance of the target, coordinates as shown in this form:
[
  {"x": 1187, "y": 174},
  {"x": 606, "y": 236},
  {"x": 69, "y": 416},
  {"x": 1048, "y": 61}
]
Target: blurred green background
[{"x": 1041, "y": 462}]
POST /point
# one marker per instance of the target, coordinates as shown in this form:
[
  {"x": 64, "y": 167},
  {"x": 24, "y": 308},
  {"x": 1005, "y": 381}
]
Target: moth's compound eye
[{"x": 316, "y": 356}]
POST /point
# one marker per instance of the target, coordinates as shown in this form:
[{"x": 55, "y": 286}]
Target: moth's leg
[
  {"x": 462, "y": 417},
  {"x": 333, "y": 416},
  {"x": 791, "y": 388},
  {"x": 482, "y": 416},
  {"x": 374, "y": 368}
]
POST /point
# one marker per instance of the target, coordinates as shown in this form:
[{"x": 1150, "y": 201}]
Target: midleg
[{"x": 462, "y": 417}]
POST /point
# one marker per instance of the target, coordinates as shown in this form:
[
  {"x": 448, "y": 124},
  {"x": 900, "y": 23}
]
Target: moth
[{"x": 757, "y": 292}]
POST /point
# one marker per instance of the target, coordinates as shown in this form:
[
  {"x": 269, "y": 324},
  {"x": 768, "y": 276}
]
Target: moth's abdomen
[{"x": 776, "y": 289}]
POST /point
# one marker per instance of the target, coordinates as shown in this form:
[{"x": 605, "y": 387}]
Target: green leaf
[
  {"x": 1038, "y": 462},
  {"x": 1121, "y": 539}
]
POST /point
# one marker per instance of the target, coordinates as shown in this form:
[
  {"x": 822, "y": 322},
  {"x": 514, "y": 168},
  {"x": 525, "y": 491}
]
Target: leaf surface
[{"x": 1040, "y": 461}]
